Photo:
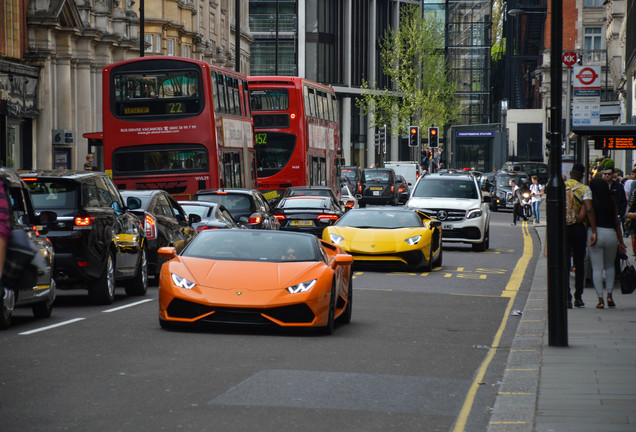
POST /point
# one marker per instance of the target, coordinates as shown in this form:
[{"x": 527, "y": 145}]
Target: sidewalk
[{"x": 589, "y": 385}]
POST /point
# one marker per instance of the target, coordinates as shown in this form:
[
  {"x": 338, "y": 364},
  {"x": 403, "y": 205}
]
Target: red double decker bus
[
  {"x": 296, "y": 133},
  {"x": 176, "y": 124}
]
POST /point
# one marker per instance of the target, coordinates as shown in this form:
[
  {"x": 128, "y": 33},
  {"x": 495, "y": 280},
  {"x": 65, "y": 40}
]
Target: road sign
[
  {"x": 587, "y": 77},
  {"x": 569, "y": 58}
]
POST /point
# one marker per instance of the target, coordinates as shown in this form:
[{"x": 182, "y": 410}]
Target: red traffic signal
[
  {"x": 433, "y": 137},
  {"x": 414, "y": 136}
]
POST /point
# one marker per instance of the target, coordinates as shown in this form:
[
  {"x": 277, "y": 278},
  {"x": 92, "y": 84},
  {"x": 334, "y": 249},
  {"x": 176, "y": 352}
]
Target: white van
[{"x": 409, "y": 170}]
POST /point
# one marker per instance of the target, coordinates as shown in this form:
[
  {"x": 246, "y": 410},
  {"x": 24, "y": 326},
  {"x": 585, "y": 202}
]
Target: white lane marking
[
  {"x": 127, "y": 306},
  {"x": 51, "y": 326}
]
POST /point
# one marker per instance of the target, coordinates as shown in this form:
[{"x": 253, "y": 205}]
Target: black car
[
  {"x": 500, "y": 190},
  {"x": 97, "y": 241},
  {"x": 248, "y": 207},
  {"x": 540, "y": 169},
  {"x": 37, "y": 290},
  {"x": 213, "y": 215},
  {"x": 403, "y": 189},
  {"x": 322, "y": 191},
  {"x": 165, "y": 223},
  {"x": 310, "y": 214},
  {"x": 379, "y": 186},
  {"x": 353, "y": 174}
]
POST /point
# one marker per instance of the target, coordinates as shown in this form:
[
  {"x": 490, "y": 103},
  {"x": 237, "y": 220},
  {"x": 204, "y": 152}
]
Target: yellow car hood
[{"x": 377, "y": 240}]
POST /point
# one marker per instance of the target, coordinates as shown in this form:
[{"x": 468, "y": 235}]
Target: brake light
[
  {"x": 27, "y": 179},
  {"x": 350, "y": 203},
  {"x": 255, "y": 219},
  {"x": 279, "y": 217},
  {"x": 204, "y": 228},
  {"x": 82, "y": 263},
  {"x": 359, "y": 188},
  {"x": 327, "y": 217},
  {"x": 83, "y": 221},
  {"x": 150, "y": 225},
  {"x": 392, "y": 188}
]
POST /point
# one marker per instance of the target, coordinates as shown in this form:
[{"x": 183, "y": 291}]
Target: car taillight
[
  {"x": 204, "y": 227},
  {"x": 327, "y": 217},
  {"x": 255, "y": 219},
  {"x": 150, "y": 226},
  {"x": 392, "y": 188},
  {"x": 359, "y": 188},
  {"x": 83, "y": 223},
  {"x": 350, "y": 203},
  {"x": 279, "y": 217}
]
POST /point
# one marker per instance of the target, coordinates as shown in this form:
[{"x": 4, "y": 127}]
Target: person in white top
[{"x": 537, "y": 192}]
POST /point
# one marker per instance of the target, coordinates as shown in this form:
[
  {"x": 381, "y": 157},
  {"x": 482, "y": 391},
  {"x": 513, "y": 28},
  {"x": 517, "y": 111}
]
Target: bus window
[
  {"x": 233, "y": 170},
  {"x": 220, "y": 86},
  {"x": 273, "y": 151},
  {"x": 334, "y": 105},
  {"x": 306, "y": 99},
  {"x": 215, "y": 91},
  {"x": 313, "y": 110},
  {"x": 237, "y": 98},
  {"x": 229, "y": 95},
  {"x": 160, "y": 158},
  {"x": 318, "y": 172},
  {"x": 270, "y": 100}
]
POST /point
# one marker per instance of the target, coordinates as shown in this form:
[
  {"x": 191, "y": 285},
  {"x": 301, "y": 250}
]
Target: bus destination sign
[{"x": 616, "y": 143}]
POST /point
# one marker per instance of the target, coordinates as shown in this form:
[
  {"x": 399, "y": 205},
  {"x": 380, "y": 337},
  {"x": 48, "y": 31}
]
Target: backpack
[{"x": 572, "y": 204}]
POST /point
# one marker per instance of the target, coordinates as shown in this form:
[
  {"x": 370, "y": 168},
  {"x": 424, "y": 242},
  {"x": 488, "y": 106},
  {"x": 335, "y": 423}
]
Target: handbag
[
  {"x": 23, "y": 262},
  {"x": 628, "y": 278}
]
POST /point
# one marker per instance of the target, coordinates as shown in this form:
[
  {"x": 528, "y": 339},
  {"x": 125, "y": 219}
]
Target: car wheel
[
  {"x": 138, "y": 286},
  {"x": 438, "y": 261},
  {"x": 428, "y": 265},
  {"x": 103, "y": 291},
  {"x": 331, "y": 322},
  {"x": 7, "y": 304},
  {"x": 346, "y": 314},
  {"x": 43, "y": 309},
  {"x": 484, "y": 245}
]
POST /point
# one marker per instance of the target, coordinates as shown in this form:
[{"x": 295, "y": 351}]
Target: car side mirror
[
  {"x": 194, "y": 218},
  {"x": 133, "y": 203},
  {"x": 341, "y": 259},
  {"x": 167, "y": 252},
  {"x": 115, "y": 206}
]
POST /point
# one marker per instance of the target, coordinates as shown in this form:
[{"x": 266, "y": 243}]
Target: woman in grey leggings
[{"x": 609, "y": 239}]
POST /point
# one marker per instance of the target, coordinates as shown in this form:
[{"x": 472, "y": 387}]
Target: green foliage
[{"x": 413, "y": 59}]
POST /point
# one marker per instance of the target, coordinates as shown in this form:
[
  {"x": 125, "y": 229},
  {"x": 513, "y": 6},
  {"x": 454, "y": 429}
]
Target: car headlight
[
  {"x": 474, "y": 213},
  {"x": 182, "y": 282},
  {"x": 302, "y": 287},
  {"x": 335, "y": 238},
  {"x": 413, "y": 240}
]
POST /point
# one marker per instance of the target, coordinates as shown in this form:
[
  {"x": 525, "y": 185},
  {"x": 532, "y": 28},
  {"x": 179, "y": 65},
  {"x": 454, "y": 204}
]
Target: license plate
[
  {"x": 376, "y": 188},
  {"x": 376, "y": 193},
  {"x": 447, "y": 226},
  {"x": 301, "y": 223}
]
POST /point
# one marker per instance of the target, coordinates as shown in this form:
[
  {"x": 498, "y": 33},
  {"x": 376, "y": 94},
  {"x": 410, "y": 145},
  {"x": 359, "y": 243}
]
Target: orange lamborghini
[{"x": 256, "y": 277}]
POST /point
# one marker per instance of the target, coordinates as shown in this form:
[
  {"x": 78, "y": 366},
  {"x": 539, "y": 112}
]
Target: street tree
[{"x": 413, "y": 61}]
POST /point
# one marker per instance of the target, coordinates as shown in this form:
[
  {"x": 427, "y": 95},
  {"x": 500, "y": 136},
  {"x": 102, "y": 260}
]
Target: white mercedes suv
[{"x": 455, "y": 199}]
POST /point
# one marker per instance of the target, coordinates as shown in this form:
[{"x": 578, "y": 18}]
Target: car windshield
[
  {"x": 202, "y": 211},
  {"x": 53, "y": 194},
  {"x": 253, "y": 245},
  {"x": 348, "y": 173},
  {"x": 504, "y": 181},
  {"x": 377, "y": 176},
  {"x": 309, "y": 192},
  {"x": 380, "y": 219},
  {"x": 232, "y": 202},
  {"x": 445, "y": 188},
  {"x": 305, "y": 202}
]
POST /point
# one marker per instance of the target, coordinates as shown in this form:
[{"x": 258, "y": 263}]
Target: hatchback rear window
[
  {"x": 232, "y": 202},
  {"x": 53, "y": 194}
]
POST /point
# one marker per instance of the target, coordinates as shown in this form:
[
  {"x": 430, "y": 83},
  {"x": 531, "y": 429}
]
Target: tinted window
[
  {"x": 53, "y": 194},
  {"x": 202, "y": 211},
  {"x": 317, "y": 203},
  {"x": 273, "y": 151},
  {"x": 269, "y": 100},
  {"x": 167, "y": 159},
  {"x": 445, "y": 188},
  {"x": 380, "y": 219},
  {"x": 380, "y": 176},
  {"x": 232, "y": 202}
]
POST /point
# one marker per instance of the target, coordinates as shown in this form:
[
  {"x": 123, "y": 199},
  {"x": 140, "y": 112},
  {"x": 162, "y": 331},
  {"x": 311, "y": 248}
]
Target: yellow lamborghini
[{"x": 396, "y": 237}]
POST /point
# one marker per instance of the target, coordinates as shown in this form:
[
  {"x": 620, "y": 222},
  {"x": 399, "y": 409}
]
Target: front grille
[
  {"x": 412, "y": 258},
  {"x": 300, "y": 313},
  {"x": 470, "y": 233},
  {"x": 452, "y": 215}
]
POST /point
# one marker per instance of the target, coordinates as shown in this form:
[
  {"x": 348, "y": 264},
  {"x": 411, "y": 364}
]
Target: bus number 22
[{"x": 175, "y": 107}]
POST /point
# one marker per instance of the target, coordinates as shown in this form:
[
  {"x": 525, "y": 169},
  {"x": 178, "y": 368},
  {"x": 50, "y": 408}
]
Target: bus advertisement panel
[
  {"x": 176, "y": 124},
  {"x": 297, "y": 134}
]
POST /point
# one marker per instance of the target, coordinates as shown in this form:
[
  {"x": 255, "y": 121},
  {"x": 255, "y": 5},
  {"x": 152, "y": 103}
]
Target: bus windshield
[
  {"x": 273, "y": 151},
  {"x": 156, "y": 92},
  {"x": 269, "y": 100}
]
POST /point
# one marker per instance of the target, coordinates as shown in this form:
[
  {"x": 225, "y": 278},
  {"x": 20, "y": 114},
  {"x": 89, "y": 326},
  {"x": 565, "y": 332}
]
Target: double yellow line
[{"x": 511, "y": 290}]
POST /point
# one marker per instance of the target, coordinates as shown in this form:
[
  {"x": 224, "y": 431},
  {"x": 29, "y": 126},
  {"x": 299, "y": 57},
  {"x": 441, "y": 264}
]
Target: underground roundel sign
[{"x": 587, "y": 77}]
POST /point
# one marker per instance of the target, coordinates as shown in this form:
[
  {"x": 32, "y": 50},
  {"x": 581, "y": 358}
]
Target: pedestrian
[
  {"x": 536, "y": 191},
  {"x": 576, "y": 232},
  {"x": 89, "y": 164},
  {"x": 608, "y": 230},
  {"x": 516, "y": 202}
]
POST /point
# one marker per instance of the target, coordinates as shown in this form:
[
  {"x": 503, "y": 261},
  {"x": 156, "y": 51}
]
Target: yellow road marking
[{"x": 512, "y": 287}]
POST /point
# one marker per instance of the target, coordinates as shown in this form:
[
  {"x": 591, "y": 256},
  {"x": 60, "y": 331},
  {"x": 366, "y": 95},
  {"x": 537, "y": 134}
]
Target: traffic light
[
  {"x": 433, "y": 137},
  {"x": 414, "y": 136}
]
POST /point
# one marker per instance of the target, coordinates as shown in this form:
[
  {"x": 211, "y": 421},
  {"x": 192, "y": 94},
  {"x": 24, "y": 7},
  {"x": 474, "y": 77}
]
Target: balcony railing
[
  {"x": 593, "y": 57},
  {"x": 267, "y": 22}
]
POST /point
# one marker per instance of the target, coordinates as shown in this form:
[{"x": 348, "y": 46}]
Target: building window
[
  {"x": 171, "y": 47},
  {"x": 149, "y": 42},
  {"x": 592, "y": 38},
  {"x": 186, "y": 51},
  {"x": 593, "y": 3}
]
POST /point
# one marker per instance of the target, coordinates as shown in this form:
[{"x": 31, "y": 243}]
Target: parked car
[
  {"x": 213, "y": 215},
  {"x": 310, "y": 214},
  {"x": 36, "y": 290},
  {"x": 540, "y": 169},
  {"x": 500, "y": 190},
  {"x": 403, "y": 189},
  {"x": 97, "y": 240},
  {"x": 289, "y": 280},
  {"x": 164, "y": 221},
  {"x": 379, "y": 186},
  {"x": 455, "y": 199},
  {"x": 248, "y": 207},
  {"x": 348, "y": 198}
]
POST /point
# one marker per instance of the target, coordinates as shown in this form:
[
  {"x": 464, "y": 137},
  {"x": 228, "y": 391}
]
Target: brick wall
[{"x": 570, "y": 34}]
